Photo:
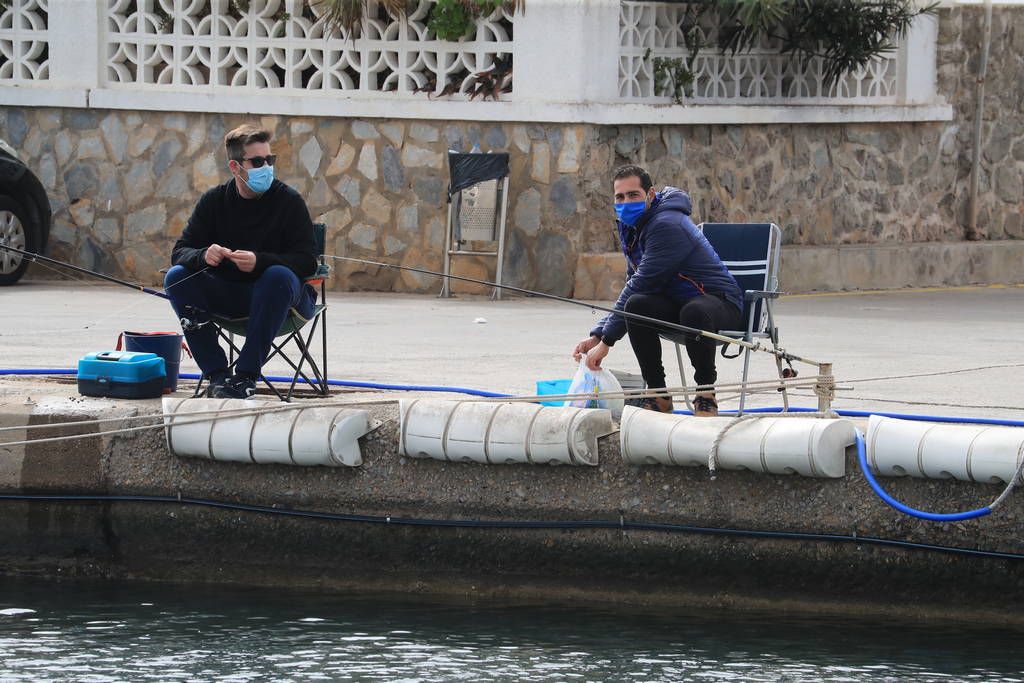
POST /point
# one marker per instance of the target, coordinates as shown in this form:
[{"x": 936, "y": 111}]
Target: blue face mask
[
  {"x": 630, "y": 212},
  {"x": 260, "y": 178}
]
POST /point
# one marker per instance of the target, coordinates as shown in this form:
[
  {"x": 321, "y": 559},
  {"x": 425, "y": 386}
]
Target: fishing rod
[
  {"x": 124, "y": 283},
  {"x": 187, "y": 324},
  {"x": 753, "y": 346}
]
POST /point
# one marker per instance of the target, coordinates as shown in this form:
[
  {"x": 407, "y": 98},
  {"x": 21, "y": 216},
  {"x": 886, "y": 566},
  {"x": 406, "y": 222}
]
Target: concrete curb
[{"x": 161, "y": 541}]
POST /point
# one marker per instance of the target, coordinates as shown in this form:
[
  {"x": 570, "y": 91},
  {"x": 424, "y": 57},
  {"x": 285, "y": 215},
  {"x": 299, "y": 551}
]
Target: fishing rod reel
[{"x": 196, "y": 320}]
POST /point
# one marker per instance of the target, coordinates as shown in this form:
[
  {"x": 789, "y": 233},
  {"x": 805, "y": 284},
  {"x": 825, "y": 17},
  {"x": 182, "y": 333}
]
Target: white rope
[
  {"x": 713, "y": 452},
  {"x": 177, "y": 419},
  {"x": 935, "y": 374},
  {"x": 244, "y": 412},
  {"x": 1014, "y": 481},
  {"x": 160, "y": 416}
]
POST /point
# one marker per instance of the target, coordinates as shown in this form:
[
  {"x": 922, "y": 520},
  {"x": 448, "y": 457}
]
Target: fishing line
[
  {"x": 38, "y": 258},
  {"x": 43, "y": 260},
  {"x": 652, "y": 322}
]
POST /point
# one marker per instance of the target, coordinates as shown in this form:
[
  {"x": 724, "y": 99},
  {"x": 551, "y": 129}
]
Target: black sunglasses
[{"x": 258, "y": 162}]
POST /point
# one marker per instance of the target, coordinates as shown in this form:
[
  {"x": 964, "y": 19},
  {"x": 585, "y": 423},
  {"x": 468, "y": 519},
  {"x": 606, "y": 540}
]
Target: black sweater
[{"x": 275, "y": 226}]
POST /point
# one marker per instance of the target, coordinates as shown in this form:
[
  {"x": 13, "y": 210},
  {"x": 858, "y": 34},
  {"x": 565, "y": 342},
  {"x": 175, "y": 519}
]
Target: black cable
[{"x": 621, "y": 524}]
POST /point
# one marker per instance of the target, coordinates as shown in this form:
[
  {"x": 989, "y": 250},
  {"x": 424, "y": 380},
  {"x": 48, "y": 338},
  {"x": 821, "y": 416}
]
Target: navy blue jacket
[{"x": 666, "y": 254}]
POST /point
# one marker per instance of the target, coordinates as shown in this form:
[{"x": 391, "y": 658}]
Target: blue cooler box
[{"x": 121, "y": 374}]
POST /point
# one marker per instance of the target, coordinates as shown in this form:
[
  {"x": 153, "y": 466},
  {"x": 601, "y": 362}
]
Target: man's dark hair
[
  {"x": 246, "y": 134},
  {"x": 633, "y": 171}
]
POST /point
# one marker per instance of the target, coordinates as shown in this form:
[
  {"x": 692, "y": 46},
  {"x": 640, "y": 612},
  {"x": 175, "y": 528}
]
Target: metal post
[
  {"x": 446, "y": 290},
  {"x": 825, "y": 388},
  {"x": 979, "y": 114},
  {"x": 496, "y": 293}
]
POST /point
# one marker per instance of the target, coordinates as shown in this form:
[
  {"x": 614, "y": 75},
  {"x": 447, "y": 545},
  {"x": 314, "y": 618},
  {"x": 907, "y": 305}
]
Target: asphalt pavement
[{"x": 927, "y": 344}]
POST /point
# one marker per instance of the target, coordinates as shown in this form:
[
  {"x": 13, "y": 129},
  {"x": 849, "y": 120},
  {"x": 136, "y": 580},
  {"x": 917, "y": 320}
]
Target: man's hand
[
  {"x": 215, "y": 254},
  {"x": 245, "y": 260},
  {"x": 584, "y": 346},
  {"x": 596, "y": 355}
]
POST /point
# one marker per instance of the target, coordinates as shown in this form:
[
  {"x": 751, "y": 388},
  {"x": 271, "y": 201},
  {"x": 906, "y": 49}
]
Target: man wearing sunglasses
[{"x": 243, "y": 254}]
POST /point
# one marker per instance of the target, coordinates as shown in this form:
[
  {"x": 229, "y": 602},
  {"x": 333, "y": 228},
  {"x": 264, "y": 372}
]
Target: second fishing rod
[{"x": 654, "y": 322}]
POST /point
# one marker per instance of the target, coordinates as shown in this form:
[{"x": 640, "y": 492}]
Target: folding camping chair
[
  {"x": 751, "y": 253},
  {"x": 292, "y": 331}
]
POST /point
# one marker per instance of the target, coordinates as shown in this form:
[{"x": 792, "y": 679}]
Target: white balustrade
[
  {"x": 575, "y": 61},
  {"x": 652, "y": 30},
  {"x": 24, "y": 42},
  {"x": 283, "y": 45}
]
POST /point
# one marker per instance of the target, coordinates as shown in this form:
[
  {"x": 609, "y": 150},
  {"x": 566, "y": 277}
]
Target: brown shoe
[
  {"x": 705, "y": 405},
  {"x": 659, "y": 404}
]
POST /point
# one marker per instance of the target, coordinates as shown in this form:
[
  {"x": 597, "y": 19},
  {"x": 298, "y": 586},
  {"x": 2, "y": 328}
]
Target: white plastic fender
[
  {"x": 983, "y": 453},
  {"x": 500, "y": 433},
  {"x": 303, "y": 436},
  {"x": 813, "y": 447}
]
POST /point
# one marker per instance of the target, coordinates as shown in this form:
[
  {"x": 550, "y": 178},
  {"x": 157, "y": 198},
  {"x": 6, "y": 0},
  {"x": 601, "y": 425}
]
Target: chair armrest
[
  {"x": 322, "y": 271},
  {"x": 751, "y": 294}
]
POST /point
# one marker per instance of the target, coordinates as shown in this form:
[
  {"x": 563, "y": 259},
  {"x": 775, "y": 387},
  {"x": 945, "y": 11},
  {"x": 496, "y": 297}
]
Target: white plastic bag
[{"x": 587, "y": 381}]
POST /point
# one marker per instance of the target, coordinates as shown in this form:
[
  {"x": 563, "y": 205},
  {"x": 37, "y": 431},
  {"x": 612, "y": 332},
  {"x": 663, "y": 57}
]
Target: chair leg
[
  {"x": 297, "y": 369},
  {"x": 682, "y": 378},
  {"x": 774, "y": 335},
  {"x": 323, "y": 341},
  {"x": 320, "y": 386},
  {"x": 785, "y": 394},
  {"x": 746, "y": 370},
  {"x": 270, "y": 385}
]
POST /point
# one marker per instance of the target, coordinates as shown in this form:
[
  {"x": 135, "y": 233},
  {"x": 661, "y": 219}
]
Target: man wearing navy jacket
[
  {"x": 673, "y": 274},
  {"x": 243, "y": 254}
]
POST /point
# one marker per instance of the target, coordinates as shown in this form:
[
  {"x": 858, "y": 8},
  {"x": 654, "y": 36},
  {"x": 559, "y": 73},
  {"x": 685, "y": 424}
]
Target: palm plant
[
  {"x": 845, "y": 34},
  {"x": 449, "y": 19}
]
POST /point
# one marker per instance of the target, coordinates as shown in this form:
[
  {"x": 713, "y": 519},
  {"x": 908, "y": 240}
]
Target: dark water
[{"x": 73, "y": 631}]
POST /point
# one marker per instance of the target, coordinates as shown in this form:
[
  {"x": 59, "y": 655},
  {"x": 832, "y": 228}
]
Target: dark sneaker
[
  {"x": 705, "y": 405},
  {"x": 659, "y": 404},
  {"x": 237, "y": 387},
  {"x": 215, "y": 381}
]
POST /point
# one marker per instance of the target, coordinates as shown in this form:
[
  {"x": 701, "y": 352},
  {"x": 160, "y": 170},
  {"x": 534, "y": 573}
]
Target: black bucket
[{"x": 167, "y": 345}]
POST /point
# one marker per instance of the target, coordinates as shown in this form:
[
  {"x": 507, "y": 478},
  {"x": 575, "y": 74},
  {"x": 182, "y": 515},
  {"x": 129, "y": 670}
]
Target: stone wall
[{"x": 123, "y": 183}]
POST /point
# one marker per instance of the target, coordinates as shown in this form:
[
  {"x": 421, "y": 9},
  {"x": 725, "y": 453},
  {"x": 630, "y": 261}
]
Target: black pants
[{"x": 708, "y": 312}]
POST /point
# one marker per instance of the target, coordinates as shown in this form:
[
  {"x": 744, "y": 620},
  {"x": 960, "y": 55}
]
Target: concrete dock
[{"x": 914, "y": 339}]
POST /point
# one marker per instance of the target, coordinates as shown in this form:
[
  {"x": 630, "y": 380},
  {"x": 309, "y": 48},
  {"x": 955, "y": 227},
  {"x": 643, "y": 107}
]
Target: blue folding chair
[{"x": 751, "y": 253}]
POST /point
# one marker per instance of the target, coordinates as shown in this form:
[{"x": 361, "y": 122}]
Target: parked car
[{"x": 24, "y": 214}]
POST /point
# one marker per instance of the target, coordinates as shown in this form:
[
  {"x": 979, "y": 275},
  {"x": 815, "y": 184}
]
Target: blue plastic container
[
  {"x": 553, "y": 387},
  {"x": 121, "y": 374},
  {"x": 167, "y": 345}
]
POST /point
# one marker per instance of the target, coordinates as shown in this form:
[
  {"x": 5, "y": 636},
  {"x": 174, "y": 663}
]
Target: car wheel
[{"x": 18, "y": 231}]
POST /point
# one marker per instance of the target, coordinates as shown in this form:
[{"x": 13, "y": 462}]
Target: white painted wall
[{"x": 566, "y": 56}]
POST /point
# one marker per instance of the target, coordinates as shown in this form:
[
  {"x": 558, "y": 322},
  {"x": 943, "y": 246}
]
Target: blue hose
[
  {"x": 861, "y": 448},
  {"x": 275, "y": 378},
  {"x": 862, "y": 458}
]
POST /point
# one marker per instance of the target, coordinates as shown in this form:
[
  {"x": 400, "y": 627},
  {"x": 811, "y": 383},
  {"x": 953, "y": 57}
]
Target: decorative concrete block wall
[{"x": 123, "y": 183}]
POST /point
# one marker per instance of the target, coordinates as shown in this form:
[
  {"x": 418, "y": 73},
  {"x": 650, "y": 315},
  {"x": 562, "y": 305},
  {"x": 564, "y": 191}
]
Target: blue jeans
[{"x": 266, "y": 302}]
